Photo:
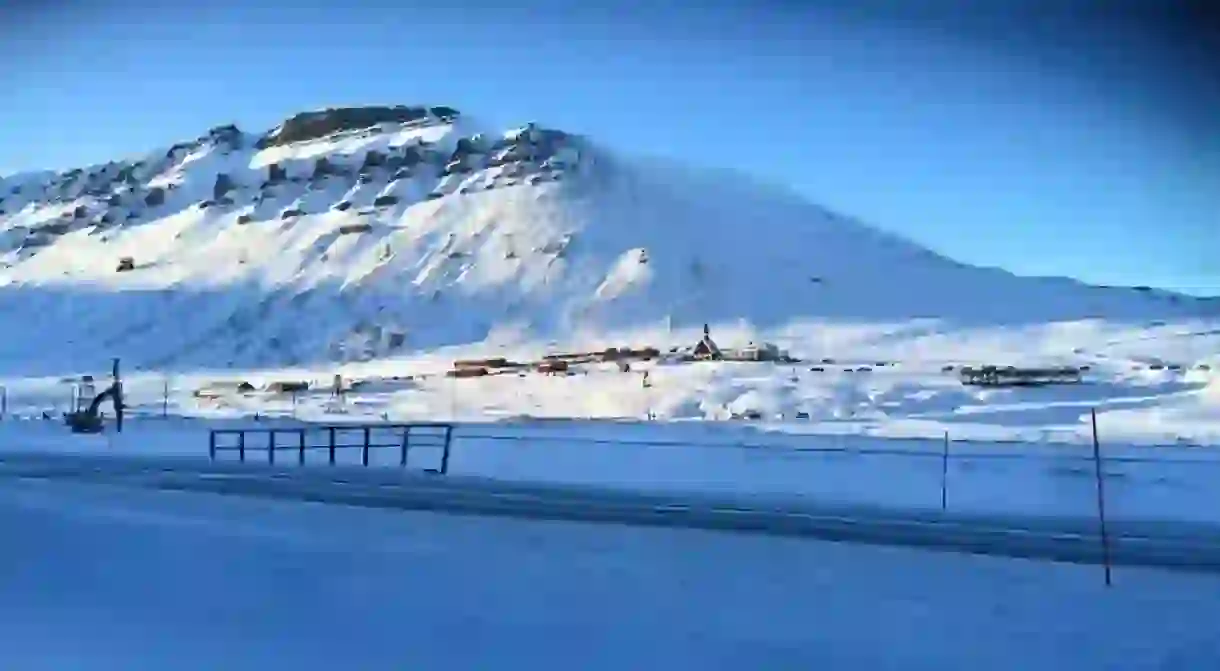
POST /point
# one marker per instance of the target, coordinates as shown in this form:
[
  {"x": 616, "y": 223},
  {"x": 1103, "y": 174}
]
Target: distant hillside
[{"x": 355, "y": 233}]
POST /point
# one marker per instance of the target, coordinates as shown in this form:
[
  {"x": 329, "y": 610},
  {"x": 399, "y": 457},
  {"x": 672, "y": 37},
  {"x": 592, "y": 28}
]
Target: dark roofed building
[{"x": 707, "y": 348}]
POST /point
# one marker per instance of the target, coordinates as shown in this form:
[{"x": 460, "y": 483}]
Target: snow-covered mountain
[{"x": 346, "y": 232}]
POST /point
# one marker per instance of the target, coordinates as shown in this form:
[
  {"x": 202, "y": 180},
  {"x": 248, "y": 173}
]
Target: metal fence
[
  {"x": 333, "y": 439},
  {"x": 395, "y": 443}
]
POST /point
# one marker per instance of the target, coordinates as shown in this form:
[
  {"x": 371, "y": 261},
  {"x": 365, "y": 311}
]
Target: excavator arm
[{"x": 89, "y": 420}]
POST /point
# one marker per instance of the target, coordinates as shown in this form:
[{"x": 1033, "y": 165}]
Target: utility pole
[
  {"x": 944, "y": 474},
  {"x": 646, "y": 385},
  {"x": 338, "y": 388},
  {"x": 118, "y": 397},
  {"x": 1101, "y": 498}
]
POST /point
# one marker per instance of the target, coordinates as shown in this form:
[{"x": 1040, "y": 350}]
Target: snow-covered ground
[
  {"x": 125, "y": 579},
  {"x": 906, "y": 393}
]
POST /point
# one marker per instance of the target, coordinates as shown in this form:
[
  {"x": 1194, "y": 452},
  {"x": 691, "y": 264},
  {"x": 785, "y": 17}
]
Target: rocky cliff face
[
  {"x": 321, "y": 123},
  {"x": 405, "y": 153}
]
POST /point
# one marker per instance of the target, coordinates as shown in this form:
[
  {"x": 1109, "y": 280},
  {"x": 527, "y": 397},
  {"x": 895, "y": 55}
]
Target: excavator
[{"x": 89, "y": 419}]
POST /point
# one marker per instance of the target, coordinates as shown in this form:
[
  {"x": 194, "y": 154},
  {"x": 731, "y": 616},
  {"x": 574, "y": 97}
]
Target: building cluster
[{"x": 705, "y": 349}]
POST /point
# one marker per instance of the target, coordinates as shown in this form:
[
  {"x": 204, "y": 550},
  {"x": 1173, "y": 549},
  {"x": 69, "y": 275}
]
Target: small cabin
[
  {"x": 287, "y": 387},
  {"x": 497, "y": 362},
  {"x": 552, "y": 366},
  {"x": 219, "y": 389},
  {"x": 614, "y": 353},
  {"x": 760, "y": 352}
]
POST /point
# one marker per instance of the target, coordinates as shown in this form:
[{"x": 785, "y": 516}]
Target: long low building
[{"x": 1012, "y": 376}]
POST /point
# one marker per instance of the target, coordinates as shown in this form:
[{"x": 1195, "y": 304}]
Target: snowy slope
[{"x": 319, "y": 239}]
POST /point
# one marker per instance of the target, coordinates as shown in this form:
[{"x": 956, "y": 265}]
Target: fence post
[
  {"x": 364, "y": 451},
  {"x": 406, "y": 438},
  {"x": 271, "y": 447},
  {"x": 212, "y": 445},
  {"x": 1101, "y": 497},
  {"x": 445, "y": 452},
  {"x": 119, "y": 403},
  {"x": 332, "y": 445},
  {"x": 3, "y": 402},
  {"x": 944, "y": 474},
  {"x": 301, "y": 447},
  {"x": 165, "y": 398},
  {"x": 241, "y": 446}
]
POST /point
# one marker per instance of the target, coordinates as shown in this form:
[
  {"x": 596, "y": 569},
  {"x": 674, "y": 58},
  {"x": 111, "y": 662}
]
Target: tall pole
[
  {"x": 944, "y": 474},
  {"x": 118, "y": 397},
  {"x": 1101, "y": 497},
  {"x": 647, "y": 385}
]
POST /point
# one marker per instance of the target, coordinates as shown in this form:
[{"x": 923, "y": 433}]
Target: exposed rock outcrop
[
  {"x": 323, "y": 168},
  {"x": 276, "y": 174},
  {"x": 228, "y": 135},
  {"x": 372, "y": 159},
  {"x": 222, "y": 186},
  {"x": 317, "y": 124}
]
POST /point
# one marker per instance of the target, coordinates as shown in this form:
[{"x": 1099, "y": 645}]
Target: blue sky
[{"x": 1045, "y": 145}]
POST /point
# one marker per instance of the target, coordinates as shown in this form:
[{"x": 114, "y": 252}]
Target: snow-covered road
[
  {"x": 1143, "y": 543},
  {"x": 100, "y": 577}
]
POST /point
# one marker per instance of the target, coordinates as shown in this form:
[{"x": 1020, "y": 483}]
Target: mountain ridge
[
  {"x": 325, "y": 121},
  {"x": 416, "y": 227}
]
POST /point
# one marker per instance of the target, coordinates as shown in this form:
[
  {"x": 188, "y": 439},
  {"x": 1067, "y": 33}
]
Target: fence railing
[
  {"x": 859, "y": 446},
  {"x": 273, "y": 444}
]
